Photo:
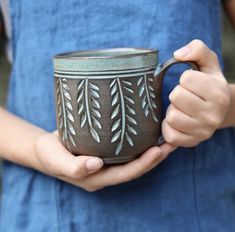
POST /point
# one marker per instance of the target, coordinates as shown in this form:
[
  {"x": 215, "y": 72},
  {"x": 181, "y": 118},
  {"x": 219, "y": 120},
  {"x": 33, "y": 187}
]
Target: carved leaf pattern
[
  {"x": 122, "y": 114},
  {"x": 89, "y": 107},
  {"x": 146, "y": 92},
  {"x": 65, "y": 111}
]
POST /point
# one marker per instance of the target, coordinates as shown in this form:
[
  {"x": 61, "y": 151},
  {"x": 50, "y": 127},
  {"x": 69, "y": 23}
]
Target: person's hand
[
  {"x": 200, "y": 102},
  {"x": 88, "y": 172}
]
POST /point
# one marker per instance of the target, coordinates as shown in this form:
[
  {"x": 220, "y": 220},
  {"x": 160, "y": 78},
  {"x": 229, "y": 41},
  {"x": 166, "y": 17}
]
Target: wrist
[
  {"x": 36, "y": 161},
  {"x": 28, "y": 156},
  {"x": 229, "y": 120}
]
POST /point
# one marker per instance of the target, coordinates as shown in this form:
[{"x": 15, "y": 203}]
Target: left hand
[
  {"x": 88, "y": 172},
  {"x": 200, "y": 102}
]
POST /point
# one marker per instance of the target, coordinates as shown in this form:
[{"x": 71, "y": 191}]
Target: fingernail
[
  {"x": 94, "y": 164},
  {"x": 182, "y": 52}
]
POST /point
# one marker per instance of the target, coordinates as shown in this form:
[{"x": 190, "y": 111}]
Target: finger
[
  {"x": 198, "y": 52},
  {"x": 85, "y": 166},
  {"x": 203, "y": 85},
  {"x": 181, "y": 121},
  {"x": 125, "y": 172},
  {"x": 166, "y": 149},
  {"x": 177, "y": 138},
  {"x": 186, "y": 101},
  {"x": 97, "y": 181}
]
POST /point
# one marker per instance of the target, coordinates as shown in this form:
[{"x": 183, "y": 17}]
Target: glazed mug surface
[{"x": 109, "y": 101}]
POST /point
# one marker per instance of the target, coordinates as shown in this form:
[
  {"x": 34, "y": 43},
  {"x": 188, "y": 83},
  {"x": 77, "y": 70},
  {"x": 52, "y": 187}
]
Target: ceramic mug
[{"x": 109, "y": 101}]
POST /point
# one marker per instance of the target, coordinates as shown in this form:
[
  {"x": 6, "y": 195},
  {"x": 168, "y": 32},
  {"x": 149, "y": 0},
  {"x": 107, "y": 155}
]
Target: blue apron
[{"x": 192, "y": 190}]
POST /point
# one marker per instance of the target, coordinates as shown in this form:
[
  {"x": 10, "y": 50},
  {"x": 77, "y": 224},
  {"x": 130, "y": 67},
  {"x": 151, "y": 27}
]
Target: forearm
[
  {"x": 17, "y": 139},
  {"x": 230, "y": 118}
]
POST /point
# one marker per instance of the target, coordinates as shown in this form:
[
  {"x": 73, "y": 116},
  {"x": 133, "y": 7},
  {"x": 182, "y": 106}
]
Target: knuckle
[
  {"x": 171, "y": 138},
  {"x": 199, "y": 44},
  {"x": 186, "y": 76},
  {"x": 171, "y": 116},
  {"x": 213, "y": 122},
  {"x": 214, "y": 55},
  {"x": 168, "y": 134},
  {"x": 205, "y": 134},
  {"x": 175, "y": 94}
]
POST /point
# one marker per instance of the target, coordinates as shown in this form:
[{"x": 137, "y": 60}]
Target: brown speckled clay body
[{"x": 108, "y": 102}]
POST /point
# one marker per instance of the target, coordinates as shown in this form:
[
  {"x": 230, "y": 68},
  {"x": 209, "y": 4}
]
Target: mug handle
[{"x": 160, "y": 73}]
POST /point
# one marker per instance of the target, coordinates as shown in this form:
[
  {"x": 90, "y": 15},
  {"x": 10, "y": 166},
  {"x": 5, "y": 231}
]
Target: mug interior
[
  {"x": 112, "y": 59},
  {"x": 107, "y": 53}
]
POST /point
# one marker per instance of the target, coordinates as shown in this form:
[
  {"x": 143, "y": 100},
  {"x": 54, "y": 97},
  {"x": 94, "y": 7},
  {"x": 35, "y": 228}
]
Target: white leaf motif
[
  {"x": 95, "y": 103},
  {"x": 116, "y": 136},
  {"x": 94, "y": 135},
  {"x": 94, "y": 93},
  {"x": 93, "y": 86},
  {"x": 80, "y": 86},
  {"x": 129, "y": 100},
  {"x": 96, "y": 123},
  {"x": 96, "y": 113},
  {"x": 139, "y": 81},
  {"x": 116, "y": 125},
  {"x": 118, "y": 148},
  {"x": 131, "y": 130},
  {"x": 115, "y": 99},
  {"x": 129, "y": 140},
  {"x": 115, "y": 112},
  {"x": 83, "y": 120}
]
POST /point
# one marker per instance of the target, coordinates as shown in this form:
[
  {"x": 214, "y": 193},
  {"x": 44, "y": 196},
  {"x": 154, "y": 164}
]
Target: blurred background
[
  {"x": 4, "y": 68},
  {"x": 228, "y": 54}
]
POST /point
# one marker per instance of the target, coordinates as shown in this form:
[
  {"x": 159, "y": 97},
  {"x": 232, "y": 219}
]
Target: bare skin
[
  {"x": 33, "y": 147},
  {"x": 202, "y": 103}
]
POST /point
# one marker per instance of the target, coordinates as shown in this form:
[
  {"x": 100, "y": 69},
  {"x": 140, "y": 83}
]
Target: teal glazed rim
[
  {"x": 112, "y": 59},
  {"x": 120, "y": 53}
]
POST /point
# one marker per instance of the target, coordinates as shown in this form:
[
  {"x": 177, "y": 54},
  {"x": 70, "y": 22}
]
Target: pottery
[{"x": 109, "y": 101}]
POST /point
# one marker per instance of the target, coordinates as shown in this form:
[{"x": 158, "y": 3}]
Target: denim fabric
[{"x": 193, "y": 190}]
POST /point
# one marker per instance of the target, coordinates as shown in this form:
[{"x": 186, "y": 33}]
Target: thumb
[
  {"x": 74, "y": 167},
  {"x": 82, "y": 166},
  {"x": 69, "y": 165},
  {"x": 198, "y": 52}
]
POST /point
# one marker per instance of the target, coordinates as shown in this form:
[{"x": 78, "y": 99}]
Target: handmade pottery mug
[{"x": 109, "y": 101}]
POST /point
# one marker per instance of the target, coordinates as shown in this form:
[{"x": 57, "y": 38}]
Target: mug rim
[{"x": 74, "y": 55}]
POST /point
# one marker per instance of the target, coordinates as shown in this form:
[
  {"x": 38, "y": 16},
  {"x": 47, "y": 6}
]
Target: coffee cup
[{"x": 109, "y": 101}]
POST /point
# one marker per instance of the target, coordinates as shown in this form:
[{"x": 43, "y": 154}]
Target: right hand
[{"x": 89, "y": 172}]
